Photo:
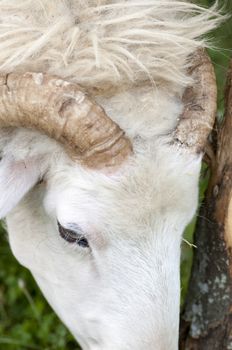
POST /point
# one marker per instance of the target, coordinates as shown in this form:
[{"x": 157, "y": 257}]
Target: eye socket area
[{"x": 72, "y": 236}]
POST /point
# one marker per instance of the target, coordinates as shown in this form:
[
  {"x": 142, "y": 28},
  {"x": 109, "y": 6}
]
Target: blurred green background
[{"x": 26, "y": 320}]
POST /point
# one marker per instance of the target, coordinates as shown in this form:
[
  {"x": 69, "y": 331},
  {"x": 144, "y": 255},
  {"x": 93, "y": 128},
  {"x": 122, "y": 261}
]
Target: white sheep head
[{"x": 97, "y": 211}]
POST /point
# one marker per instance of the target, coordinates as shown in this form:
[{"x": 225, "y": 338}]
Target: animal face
[
  {"x": 97, "y": 216},
  {"x": 105, "y": 248}
]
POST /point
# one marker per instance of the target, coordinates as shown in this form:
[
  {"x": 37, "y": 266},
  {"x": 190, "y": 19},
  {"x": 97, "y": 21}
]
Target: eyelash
[{"x": 72, "y": 237}]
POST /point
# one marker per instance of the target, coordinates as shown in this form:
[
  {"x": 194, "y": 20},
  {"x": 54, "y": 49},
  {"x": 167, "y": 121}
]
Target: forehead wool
[{"x": 103, "y": 42}]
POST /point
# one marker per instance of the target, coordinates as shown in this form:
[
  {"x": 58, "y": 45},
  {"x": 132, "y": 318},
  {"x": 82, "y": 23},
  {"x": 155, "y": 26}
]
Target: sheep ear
[{"x": 16, "y": 179}]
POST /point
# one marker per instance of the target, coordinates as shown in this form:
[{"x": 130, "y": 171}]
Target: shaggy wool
[{"x": 104, "y": 42}]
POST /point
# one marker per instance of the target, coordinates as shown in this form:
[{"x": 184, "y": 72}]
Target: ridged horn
[
  {"x": 64, "y": 112},
  {"x": 200, "y": 101}
]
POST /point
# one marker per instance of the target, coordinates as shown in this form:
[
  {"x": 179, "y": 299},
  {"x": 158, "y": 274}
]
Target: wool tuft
[{"x": 104, "y": 43}]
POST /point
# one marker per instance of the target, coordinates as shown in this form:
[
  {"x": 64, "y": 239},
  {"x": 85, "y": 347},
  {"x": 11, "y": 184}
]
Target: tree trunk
[{"x": 206, "y": 323}]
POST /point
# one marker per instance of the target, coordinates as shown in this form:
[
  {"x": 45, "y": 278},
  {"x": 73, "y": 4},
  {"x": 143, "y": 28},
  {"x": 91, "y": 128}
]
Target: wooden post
[{"x": 206, "y": 323}]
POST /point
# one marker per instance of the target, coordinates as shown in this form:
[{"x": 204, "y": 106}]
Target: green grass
[{"x": 26, "y": 320}]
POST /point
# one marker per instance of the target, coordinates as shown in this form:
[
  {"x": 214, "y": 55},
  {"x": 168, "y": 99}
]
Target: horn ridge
[
  {"x": 200, "y": 105},
  {"x": 63, "y": 111}
]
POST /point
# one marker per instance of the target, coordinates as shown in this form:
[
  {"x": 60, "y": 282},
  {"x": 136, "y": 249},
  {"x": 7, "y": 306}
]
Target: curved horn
[
  {"x": 64, "y": 112},
  {"x": 200, "y": 100}
]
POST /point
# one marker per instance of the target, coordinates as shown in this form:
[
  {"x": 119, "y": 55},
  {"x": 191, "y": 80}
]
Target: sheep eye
[{"x": 73, "y": 237}]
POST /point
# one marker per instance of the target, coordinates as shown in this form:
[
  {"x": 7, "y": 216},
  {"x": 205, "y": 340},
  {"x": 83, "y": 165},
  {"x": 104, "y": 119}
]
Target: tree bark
[{"x": 206, "y": 323}]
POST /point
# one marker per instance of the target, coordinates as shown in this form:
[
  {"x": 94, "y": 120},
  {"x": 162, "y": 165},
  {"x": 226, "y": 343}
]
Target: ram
[{"x": 105, "y": 108}]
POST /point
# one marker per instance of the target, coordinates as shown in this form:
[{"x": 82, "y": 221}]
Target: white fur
[
  {"x": 16, "y": 179},
  {"x": 122, "y": 293},
  {"x": 103, "y": 42}
]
